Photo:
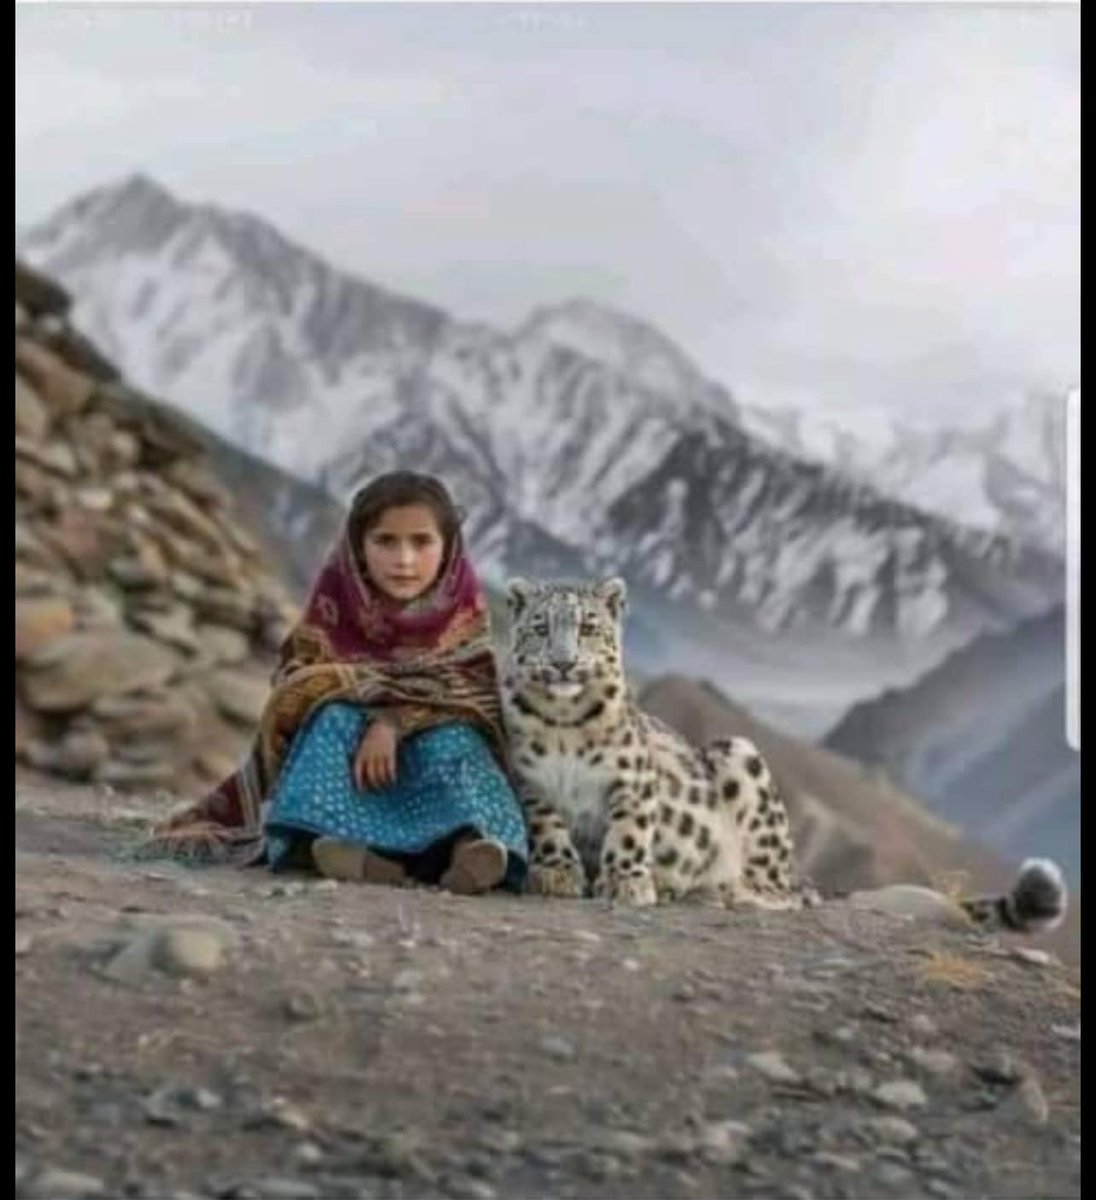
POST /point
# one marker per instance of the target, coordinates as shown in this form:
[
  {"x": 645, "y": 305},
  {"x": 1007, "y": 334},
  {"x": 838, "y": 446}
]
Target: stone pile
[{"x": 146, "y": 618}]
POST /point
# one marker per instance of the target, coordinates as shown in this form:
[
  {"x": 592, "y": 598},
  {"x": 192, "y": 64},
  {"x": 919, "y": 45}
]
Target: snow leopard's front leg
[
  {"x": 624, "y": 874},
  {"x": 555, "y": 868}
]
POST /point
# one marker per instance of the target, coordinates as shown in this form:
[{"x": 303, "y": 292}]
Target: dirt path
[{"x": 366, "y": 1042}]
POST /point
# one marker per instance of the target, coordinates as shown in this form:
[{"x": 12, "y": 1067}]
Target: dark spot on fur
[
  {"x": 667, "y": 857},
  {"x": 610, "y": 857},
  {"x": 703, "y": 837},
  {"x": 759, "y": 860},
  {"x": 730, "y": 789},
  {"x": 673, "y": 785},
  {"x": 596, "y": 758},
  {"x": 612, "y": 691},
  {"x": 624, "y": 762},
  {"x": 539, "y": 749},
  {"x": 774, "y": 874},
  {"x": 755, "y": 824},
  {"x": 740, "y": 816},
  {"x": 764, "y": 795},
  {"x": 755, "y": 766},
  {"x": 628, "y": 842},
  {"x": 642, "y": 821},
  {"x": 685, "y": 825},
  {"x": 666, "y": 813}
]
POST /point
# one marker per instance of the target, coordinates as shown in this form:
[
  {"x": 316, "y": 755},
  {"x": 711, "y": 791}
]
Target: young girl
[{"x": 379, "y": 750}]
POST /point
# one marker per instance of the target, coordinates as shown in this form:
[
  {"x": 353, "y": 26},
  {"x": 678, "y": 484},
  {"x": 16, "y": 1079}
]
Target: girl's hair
[{"x": 398, "y": 489}]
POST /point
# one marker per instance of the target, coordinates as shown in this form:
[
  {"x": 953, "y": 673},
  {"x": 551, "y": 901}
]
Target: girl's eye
[{"x": 424, "y": 540}]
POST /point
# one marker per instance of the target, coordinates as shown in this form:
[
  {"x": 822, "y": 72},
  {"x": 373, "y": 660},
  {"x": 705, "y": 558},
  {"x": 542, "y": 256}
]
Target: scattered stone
[
  {"x": 23, "y": 943},
  {"x": 892, "y": 1175},
  {"x": 625, "y": 1144},
  {"x": 924, "y": 1025},
  {"x": 52, "y": 1184},
  {"x": 187, "y": 947},
  {"x": 40, "y": 622},
  {"x": 467, "y": 1187},
  {"x": 901, "y": 1094},
  {"x": 557, "y": 1047},
  {"x": 893, "y": 1131},
  {"x": 281, "y": 1114},
  {"x": 1027, "y": 1101},
  {"x": 304, "y": 1007},
  {"x": 933, "y": 1062},
  {"x": 1002, "y": 1067},
  {"x": 273, "y": 1188},
  {"x": 772, "y": 1065},
  {"x": 191, "y": 952},
  {"x": 1035, "y": 958},
  {"x": 308, "y": 1154},
  {"x": 941, "y": 1188},
  {"x": 844, "y": 1163},
  {"x": 722, "y": 1143},
  {"x": 914, "y": 902},
  {"x": 1071, "y": 1033}
]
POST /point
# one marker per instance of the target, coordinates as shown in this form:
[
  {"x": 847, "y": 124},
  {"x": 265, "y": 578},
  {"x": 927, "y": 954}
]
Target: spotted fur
[{"x": 619, "y": 804}]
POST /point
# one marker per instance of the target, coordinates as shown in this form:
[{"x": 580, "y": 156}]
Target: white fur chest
[{"x": 576, "y": 790}]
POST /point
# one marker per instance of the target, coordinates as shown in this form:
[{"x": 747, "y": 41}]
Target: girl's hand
[{"x": 375, "y": 761}]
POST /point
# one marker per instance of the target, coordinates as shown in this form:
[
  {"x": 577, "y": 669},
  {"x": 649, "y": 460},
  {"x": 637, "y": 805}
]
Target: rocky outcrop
[{"x": 146, "y": 615}]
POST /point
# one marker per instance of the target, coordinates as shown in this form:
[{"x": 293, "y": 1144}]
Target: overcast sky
[{"x": 822, "y": 204}]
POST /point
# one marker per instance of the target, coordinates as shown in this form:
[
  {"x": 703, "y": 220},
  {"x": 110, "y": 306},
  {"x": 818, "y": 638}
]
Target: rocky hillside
[
  {"x": 981, "y": 739},
  {"x": 582, "y": 439},
  {"x": 146, "y": 614}
]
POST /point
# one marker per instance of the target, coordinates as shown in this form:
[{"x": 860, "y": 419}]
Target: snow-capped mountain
[
  {"x": 581, "y": 440},
  {"x": 1003, "y": 472}
]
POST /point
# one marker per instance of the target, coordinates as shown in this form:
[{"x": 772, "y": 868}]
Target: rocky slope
[{"x": 982, "y": 739}]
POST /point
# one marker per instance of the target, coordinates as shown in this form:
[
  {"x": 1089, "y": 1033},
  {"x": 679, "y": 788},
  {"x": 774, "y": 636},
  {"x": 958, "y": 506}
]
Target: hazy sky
[{"x": 825, "y": 204}]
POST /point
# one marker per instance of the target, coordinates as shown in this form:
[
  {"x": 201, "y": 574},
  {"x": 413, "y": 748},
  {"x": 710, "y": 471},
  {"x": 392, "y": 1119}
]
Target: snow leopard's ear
[
  {"x": 518, "y": 594},
  {"x": 615, "y": 594}
]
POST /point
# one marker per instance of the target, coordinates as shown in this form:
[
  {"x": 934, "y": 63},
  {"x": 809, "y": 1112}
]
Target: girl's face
[{"x": 403, "y": 552}]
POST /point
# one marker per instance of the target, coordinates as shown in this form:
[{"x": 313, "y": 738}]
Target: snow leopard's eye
[
  {"x": 587, "y": 629},
  {"x": 540, "y": 628}
]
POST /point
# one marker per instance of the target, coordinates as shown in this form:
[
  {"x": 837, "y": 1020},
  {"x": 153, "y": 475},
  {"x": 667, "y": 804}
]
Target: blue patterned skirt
[{"x": 447, "y": 784}]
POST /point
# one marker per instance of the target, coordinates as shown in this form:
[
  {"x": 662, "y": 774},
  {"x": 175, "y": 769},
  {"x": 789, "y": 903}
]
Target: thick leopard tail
[{"x": 1036, "y": 903}]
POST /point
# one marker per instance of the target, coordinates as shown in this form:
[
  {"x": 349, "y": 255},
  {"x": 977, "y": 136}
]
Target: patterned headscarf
[{"x": 423, "y": 664}]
